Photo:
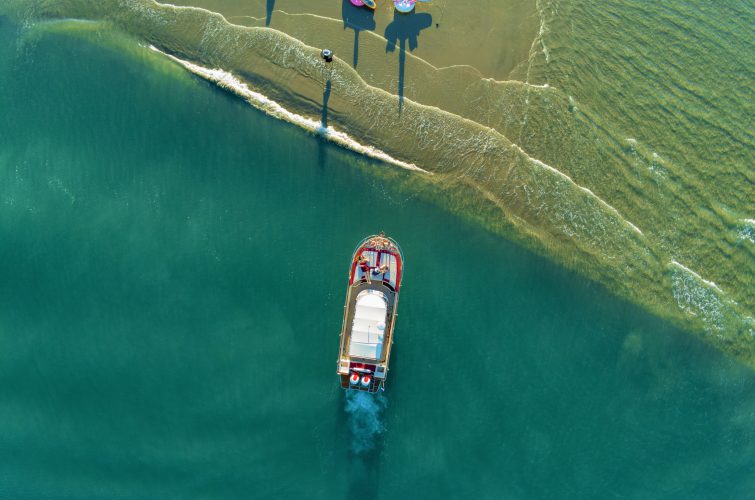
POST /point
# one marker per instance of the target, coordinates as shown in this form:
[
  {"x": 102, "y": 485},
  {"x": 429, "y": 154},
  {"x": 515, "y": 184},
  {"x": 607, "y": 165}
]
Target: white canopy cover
[{"x": 368, "y": 328}]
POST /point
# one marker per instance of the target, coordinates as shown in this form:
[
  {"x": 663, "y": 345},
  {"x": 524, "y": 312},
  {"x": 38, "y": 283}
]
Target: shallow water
[
  {"x": 615, "y": 139},
  {"x": 173, "y": 271}
]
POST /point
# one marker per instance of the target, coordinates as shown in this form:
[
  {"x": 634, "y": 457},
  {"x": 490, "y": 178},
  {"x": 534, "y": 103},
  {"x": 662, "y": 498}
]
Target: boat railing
[
  {"x": 400, "y": 252},
  {"x": 373, "y": 387},
  {"x": 381, "y": 235}
]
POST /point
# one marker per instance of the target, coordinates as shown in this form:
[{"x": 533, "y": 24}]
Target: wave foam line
[
  {"x": 227, "y": 81},
  {"x": 582, "y": 188},
  {"x": 693, "y": 273}
]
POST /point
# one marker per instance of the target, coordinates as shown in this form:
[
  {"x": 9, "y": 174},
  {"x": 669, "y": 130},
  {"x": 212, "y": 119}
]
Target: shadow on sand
[
  {"x": 269, "y": 11},
  {"x": 405, "y": 28},
  {"x": 358, "y": 19},
  {"x": 325, "y": 98}
]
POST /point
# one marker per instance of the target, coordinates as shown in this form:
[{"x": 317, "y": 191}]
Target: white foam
[
  {"x": 693, "y": 273},
  {"x": 228, "y": 81},
  {"x": 747, "y": 231},
  {"x": 704, "y": 299},
  {"x": 582, "y": 188}
]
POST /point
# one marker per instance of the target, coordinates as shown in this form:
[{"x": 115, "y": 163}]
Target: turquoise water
[
  {"x": 620, "y": 148},
  {"x": 173, "y": 272}
]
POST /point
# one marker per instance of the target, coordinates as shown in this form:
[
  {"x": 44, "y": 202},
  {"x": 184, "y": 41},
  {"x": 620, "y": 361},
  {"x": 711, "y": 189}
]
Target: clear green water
[
  {"x": 613, "y": 137},
  {"x": 173, "y": 268}
]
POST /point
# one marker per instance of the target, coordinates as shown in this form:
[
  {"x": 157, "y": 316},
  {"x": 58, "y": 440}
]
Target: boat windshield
[{"x": 368, "y": 328}]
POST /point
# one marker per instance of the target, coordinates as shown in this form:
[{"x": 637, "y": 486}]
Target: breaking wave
[
  {"x": 698, "y": 296},
  {"x": 747, "y": 230},
  {"x": 704, "y": 299},
  {"x": 229, "y": 82}
]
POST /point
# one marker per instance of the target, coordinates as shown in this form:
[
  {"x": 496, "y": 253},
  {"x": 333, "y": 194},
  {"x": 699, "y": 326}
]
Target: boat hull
[{"x": 370, "y": 314}]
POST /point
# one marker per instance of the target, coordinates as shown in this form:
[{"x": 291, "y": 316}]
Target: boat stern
[{"x": 361, "y": 376}]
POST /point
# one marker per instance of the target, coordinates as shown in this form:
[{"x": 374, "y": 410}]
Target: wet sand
[{"x": 449, "y": 33}]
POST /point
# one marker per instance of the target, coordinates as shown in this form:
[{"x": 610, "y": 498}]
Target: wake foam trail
[{"x": 365, "y": 415}]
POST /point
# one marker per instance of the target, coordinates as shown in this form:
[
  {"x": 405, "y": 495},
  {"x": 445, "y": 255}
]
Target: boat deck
[
  {"x": 369, "y": 315},
  {"x": 354, "y": 291}
]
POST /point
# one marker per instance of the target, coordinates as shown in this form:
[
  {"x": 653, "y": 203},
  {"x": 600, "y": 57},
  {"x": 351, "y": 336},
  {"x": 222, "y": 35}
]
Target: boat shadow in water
[
  {"x": 405, "y": 28},
  {"x": 358, "y": 19}
]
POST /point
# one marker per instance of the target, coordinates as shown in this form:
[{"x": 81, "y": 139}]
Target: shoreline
[
  {"x": 476, "y": 168},
  {"x": 227, "y": 81}
]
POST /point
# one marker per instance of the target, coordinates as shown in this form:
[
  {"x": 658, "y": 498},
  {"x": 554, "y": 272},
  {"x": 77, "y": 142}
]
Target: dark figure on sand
[
  {"x": 358, "y": 19},
  {"x": 405, "y": 28}
]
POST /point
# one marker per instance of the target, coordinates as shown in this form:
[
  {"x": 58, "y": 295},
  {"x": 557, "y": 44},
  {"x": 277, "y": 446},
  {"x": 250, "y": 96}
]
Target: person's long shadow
[
  {"x": 322, "y": 138},
  {"x": 325, "y": 99},
  {"x": 358, "y": 19},
  {"x": 405, "y": 28},
  {"x": 269, "y": 11}
]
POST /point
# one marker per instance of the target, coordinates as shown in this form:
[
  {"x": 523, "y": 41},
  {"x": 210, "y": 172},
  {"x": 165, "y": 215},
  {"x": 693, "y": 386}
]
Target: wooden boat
[{"x": 370, "y": 314}]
